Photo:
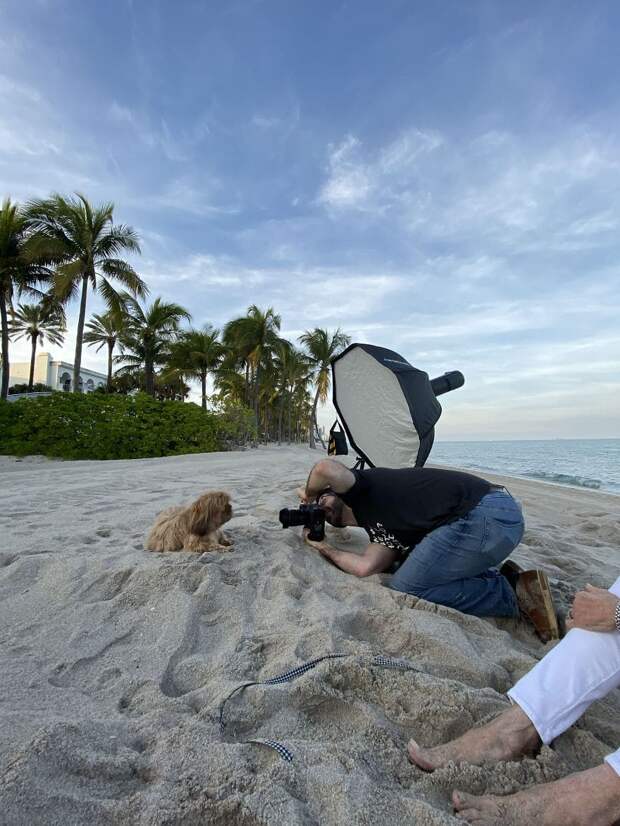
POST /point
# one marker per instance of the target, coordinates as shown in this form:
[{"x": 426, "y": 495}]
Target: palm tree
[
  {"x": 148, "y": 336},
  {"x": 252, "y": 338},
  {"x": 170, "y": 384},
  {"x": 36, "y": 322},
  {"x": 322, "y": 346},
  {"x": 20, "y": 271},
  {"x": 298, "y": 373},
  {"x": 105, "y": 330},
  {"x": 85, "y": 243},
  {"x": 293, "y": 369},
  {"x": 230, "y": 386},
  {"x": 196, "y": 354}
]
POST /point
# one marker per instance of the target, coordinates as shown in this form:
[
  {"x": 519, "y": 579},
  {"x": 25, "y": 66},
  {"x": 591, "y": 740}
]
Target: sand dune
[{"x": 114, "y": 661}]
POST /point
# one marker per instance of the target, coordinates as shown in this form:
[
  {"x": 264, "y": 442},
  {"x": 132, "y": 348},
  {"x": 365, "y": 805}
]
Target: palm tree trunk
[
  {"x": 290, "y": 414},
  {"x": 312, "y": 423},
  {"x": 110, "y": 351},
  {"x": 4, "y": 391},
  {"x": 256, "y": 404},
  {"x": 203, "y": 383},
  {"x": 280, "y": 418},
  {"x": 33, "y": 356},
  {"x": 77, "y": 364},
  {"x": 149, "y": 377}
]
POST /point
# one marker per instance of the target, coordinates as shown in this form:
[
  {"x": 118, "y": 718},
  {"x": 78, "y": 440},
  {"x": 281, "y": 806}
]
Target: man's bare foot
[
  {"x": 582, "y": 799},
  {"x": 509, "y": 735}
]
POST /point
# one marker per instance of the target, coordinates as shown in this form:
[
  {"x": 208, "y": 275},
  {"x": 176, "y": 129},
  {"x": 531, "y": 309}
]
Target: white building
[{"x": 56, "y": 374}]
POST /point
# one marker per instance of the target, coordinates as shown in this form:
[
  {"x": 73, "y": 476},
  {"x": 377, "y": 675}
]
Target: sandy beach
[{"x": 114, "y": 661}]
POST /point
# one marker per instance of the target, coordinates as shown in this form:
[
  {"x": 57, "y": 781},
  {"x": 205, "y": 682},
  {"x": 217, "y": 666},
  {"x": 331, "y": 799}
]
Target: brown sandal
[{"x": 536, "y": 603}]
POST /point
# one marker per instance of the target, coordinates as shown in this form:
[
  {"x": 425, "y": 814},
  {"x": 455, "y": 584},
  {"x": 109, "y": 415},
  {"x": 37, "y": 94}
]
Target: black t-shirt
[{"x": 398, "y": 506}]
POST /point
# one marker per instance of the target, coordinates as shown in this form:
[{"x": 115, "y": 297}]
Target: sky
[{"x": 442, "y": 179}]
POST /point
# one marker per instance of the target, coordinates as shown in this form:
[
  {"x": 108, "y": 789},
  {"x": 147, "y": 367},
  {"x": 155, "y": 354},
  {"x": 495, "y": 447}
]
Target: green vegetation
[
  {"x": 22, "y": 268},
  {"x": 62, "y": 249},
  {"x": 83, "y": 243},
  {"x": 104, "y": 426},
  {"x": 38, "y": 387},
  {"x": 38, "y": 322}
]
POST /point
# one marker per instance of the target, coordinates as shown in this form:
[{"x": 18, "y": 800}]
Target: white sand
[{"x": 113, "y": 661}]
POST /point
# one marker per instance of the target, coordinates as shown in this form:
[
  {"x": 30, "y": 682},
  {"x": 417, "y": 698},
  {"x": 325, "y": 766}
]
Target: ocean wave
[{"x": 564, "y": 479}]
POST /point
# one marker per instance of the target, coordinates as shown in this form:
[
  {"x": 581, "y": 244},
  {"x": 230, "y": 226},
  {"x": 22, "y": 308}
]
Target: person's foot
[
  {"x": 536, "y": 603},
  {"x": 509, "y": 736},
  {"x": 584, "y": 799}
]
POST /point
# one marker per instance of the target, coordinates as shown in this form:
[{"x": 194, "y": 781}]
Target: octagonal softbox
[{"x": 387, "y": 407}]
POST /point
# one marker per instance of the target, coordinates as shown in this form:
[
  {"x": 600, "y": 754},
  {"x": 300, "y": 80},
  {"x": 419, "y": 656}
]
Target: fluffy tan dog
[{"x": 195, "y": 528}]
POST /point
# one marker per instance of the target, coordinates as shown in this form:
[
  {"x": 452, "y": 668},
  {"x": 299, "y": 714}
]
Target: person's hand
[
  {"x": 318, "y": 546},
  {"x": 301, "y": 492},
  {"x": 593, "y": 609}
]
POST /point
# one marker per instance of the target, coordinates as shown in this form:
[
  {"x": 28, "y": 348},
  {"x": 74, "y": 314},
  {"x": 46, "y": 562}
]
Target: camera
[{"x": 310, "y": 516}]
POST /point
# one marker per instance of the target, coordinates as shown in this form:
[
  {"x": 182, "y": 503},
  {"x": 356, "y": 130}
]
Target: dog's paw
[{"x": 218, "y": 548}]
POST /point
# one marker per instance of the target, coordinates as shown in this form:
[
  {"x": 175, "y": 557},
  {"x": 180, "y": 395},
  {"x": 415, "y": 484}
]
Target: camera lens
[{"x": 290, "y": 517}]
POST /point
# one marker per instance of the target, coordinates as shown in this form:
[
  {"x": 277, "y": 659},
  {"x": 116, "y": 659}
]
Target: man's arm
[
  {"x": 375, "y": 559},
  {"x": 328, "y": 473}
]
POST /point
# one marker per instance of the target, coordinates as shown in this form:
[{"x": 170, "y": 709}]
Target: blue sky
[{"x": 441, "y": 179}]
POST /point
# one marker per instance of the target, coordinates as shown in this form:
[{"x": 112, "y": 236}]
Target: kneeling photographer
[{"x": 440, "y": 532}]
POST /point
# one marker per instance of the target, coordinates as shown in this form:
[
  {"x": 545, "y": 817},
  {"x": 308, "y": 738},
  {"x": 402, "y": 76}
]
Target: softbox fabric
[{"x": 387, "y": 407}]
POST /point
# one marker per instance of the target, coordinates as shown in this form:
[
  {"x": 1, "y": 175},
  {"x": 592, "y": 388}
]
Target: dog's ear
[
  {"x": 207, "y": 513},
  {"x": 200, "y": 516},
  {"x": 224, "y": 507}
]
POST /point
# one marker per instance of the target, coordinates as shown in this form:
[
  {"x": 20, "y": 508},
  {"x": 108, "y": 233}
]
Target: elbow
[{"x": 365, "y": 569}]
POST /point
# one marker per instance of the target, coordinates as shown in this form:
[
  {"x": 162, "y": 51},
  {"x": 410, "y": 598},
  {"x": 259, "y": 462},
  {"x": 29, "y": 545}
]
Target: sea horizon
[
  {"x": 538, "y": 439},
  {"x": 593, "y": 464}
]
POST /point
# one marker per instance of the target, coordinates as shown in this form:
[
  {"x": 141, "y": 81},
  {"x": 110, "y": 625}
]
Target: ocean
[{"x": 580, "y": 463}]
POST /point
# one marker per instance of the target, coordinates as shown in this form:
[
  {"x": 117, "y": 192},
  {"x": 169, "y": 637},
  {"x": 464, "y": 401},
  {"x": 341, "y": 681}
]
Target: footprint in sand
[
  {"x": 107, "y": 586},
  {"x": 7, "y": 559}
]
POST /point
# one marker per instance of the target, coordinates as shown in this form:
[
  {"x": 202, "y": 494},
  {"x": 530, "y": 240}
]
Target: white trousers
[{"x": 582, "y": 668}]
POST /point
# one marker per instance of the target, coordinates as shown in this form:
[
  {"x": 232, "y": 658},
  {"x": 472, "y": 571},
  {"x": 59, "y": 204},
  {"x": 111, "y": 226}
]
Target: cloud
[
  {"x": 495, "y": 188},
  {"x": 15, "y": 91},
  {"x": 184, "y": 195},
  {"x": 349, "y": 184},
  {"x": 121, "y": 114},
  {"x": 371, "y": 184},
  {"x": 265, "y": 122}
]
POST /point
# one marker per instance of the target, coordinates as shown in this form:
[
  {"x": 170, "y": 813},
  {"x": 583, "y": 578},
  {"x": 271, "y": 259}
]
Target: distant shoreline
[{"x": 555, "y": 484}]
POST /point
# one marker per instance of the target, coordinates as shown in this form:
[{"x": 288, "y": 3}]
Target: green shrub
[
  {"x": 38, "y": 387},
  {"x": 236, "y": 426},
  {"x": 97, "y": 426}
]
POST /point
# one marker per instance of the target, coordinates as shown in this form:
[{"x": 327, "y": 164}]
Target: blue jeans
[{"x": 452, "y": 565}]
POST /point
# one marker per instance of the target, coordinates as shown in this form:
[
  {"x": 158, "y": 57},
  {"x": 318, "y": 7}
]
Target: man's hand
[
  {"x": 301, "y": 493},
  {"x": 322, "y": 547},
  {"x": 593, "y": 609}
]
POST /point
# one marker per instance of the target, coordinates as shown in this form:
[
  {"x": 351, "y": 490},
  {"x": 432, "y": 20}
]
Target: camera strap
[{"x": 292, "y": 674}]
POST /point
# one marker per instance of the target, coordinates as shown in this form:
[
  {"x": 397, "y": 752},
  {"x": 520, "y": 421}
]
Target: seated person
[
  {"x": 582, "y": 668},
  {"x": 440, "y": 532}
]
